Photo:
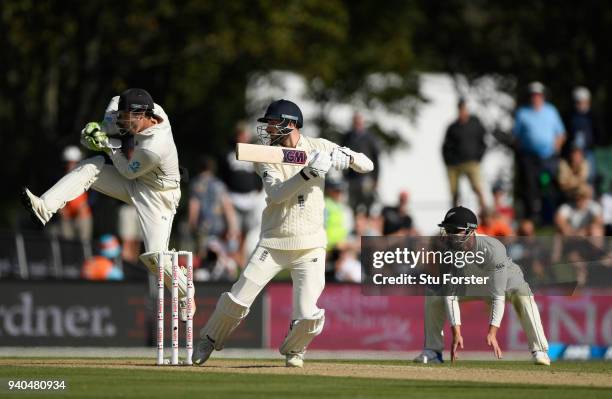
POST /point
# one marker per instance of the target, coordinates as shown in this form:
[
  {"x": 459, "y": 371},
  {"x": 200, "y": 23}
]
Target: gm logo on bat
[{"x": 294, "y": 156}]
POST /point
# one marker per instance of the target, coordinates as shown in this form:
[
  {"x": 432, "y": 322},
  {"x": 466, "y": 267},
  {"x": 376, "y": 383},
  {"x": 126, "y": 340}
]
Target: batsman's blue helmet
[{"x": 283, "y": 110}]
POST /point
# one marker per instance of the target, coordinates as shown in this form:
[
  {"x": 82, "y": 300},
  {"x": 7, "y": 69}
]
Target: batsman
[
  {"x": 292, "y": 236},
  {"x": 149, "y": 179}
]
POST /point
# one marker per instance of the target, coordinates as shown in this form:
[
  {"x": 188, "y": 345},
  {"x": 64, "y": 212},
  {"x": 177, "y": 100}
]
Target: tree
[{"x": 65, "y": 59}]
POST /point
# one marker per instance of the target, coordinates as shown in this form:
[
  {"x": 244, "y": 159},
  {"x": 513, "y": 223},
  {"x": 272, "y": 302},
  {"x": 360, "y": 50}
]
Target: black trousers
[{"x": 532, "y": 170}]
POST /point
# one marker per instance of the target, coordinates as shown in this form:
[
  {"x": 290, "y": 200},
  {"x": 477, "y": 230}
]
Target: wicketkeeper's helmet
[
  {"x": 133, "y": 104},
  {"x": 136, "y": 100}
]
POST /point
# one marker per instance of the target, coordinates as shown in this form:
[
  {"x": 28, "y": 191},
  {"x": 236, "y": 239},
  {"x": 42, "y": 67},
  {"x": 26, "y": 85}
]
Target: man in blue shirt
[{"x": 539, "y": 134}]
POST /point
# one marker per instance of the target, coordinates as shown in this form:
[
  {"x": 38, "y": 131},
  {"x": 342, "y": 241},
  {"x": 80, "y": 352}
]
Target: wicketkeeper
[
  {"x": 458, "y": 227},
  {"x": 149, "y": 180},
  {"x": 292, "y": 236}
]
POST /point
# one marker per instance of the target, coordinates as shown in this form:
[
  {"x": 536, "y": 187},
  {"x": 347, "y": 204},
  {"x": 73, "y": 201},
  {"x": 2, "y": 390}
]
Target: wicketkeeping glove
[
  {"x": 318, "y": 164},
  {"x": 93, "y": 138},
  {"x": 341, "y": 158}
]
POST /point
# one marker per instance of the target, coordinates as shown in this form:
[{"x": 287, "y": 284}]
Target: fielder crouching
[
  {"x": 292, "y": 236},
  {"x": 149, "y": 179},
  {"x": 507, "y": 280}
]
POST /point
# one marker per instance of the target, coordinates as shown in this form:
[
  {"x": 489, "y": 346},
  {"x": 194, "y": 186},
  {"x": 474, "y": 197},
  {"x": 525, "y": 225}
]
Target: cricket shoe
[
  {"x": 294, "y": 360},
  {"x": 429, "y": 356},
  {"x": 202, "y": 350},
  {"x": 541, "y": 358},
  {"x": 38, "y": 210}
]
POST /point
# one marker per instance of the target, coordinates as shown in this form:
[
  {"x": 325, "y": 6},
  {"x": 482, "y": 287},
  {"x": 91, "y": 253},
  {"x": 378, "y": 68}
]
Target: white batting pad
[
  {"x": 74, "y": 183},
  {"x": 302, "y": 332},
  {"x": 227, "y": 316}
]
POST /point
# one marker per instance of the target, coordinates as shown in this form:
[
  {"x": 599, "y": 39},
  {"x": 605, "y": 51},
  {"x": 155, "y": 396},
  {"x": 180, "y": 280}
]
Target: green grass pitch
[{"x": 138, "y": 378}]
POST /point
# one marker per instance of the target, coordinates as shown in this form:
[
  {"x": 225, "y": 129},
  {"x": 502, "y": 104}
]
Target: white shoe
[
  {"x": 36, "y": 206},
  {"x": 202, "y": 351},
  {"x": 429, "y": 356},
  {"x": 540, "y": 357},
  {"x": 294, "y": 360}
]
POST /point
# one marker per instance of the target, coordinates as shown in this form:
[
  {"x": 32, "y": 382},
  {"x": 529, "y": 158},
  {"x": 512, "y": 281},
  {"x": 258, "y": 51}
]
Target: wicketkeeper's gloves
[{"x": 93, "y": 138}]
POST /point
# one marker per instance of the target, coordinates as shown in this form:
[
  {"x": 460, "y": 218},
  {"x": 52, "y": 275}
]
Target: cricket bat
[{"x": 270, "y": 154}]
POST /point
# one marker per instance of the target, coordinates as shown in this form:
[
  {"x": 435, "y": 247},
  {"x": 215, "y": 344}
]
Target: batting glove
[
  {"x": 318, "y": 164},
  {"x": 93, "y": 138},
  {"x": 341, "y": 158}
]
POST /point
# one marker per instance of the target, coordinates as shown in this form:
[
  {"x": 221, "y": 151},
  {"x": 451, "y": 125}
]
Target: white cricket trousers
[
  {"x": 524, "y": 305},
  {"x": 155, "y": 208},
  {"x": 307, "y": 269}
]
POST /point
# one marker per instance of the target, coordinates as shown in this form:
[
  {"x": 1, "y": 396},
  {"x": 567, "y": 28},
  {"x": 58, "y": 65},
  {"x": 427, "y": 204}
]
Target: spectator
[
  {"x": 584, "y": 128},
  {"x": 106, "y": 265},
  {"x": 217, "y": 264},
  {"x": 398, "y": 226},
  {"x": 528, "y": 252},
  {"x": 397, "y": 217},
  {"x": 526, "y": 228},
  {"x": 76, "y": 221},
  {"x": 129, "y": 233},
  {"x": 211, "y": 215},
  {"x": 573, "y": 172},
  {"x": 539, "y": 134},
  {"x": 367, "y": 225},
  {"x": 501, "y": 203},
  {"x": 362, "y": 187},
  {"x": 462, "y": 151},
  {"x": 580, "y": 217},
  {"x": 348, "y": 268},
  {"x": 342, "y": 247},
  {"x": 243, "y": 185},
  {"x": 492, "y": 224},
  {"x": 339, "y": 220}
]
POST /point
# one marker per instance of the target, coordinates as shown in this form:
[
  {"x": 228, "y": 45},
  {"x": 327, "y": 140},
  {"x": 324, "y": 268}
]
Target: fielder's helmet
[
  {"x": 459, "y": 218},
  {"x": 283, "y": 110}
]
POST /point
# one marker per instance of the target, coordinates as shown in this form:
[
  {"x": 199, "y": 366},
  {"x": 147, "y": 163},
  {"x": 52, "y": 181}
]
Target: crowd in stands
[
  {"x": 559, "y": 182},
  {"x": 559, "y": 186}
]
